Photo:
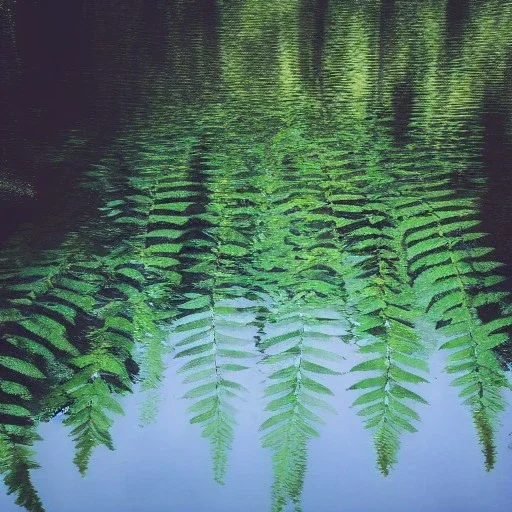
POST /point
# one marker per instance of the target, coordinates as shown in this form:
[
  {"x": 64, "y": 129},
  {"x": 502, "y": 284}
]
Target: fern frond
[
  {"x": 16, "y": 464},
  {"x": 455, "y": 276},
  {"x": 150, "y": 337},
  {"x": 216, "y": 338},
  {"x": 386, "y": 401},
  {"x": 87, "y": 397},
  {"x": 88, "y": 416},
  {"x": 385, "y": 325},
  {"x": 384, "y": 311},
  {"x": 299, "y": 343}
]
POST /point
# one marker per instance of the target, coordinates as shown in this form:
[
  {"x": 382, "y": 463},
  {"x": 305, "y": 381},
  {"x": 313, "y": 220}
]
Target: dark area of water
[{"x": 67, "y": 71}]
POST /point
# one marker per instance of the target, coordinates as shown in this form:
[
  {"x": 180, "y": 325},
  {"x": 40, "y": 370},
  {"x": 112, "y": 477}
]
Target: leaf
[
  {"x": 373, "y": 364},
  {"x": 20, "y": 366}
]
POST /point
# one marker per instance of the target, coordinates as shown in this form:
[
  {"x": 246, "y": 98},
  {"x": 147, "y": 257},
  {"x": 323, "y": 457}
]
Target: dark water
[{"x": 234, "y": 236}]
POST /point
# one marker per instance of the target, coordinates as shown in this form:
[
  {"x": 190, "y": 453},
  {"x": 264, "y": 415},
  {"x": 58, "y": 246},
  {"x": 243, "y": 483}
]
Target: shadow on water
[{"x": 497, "y": 157}]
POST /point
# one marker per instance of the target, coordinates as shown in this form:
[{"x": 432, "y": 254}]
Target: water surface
[{"x": 255, "y": 255}]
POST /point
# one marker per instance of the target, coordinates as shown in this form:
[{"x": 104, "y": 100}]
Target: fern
[
  {"x": 88, "y": 416},
  {"x": 297, "y": 263},
  {"x": 279, "y": 235},
  {"x": 299, "y": 343},
  {"x": 215, "y": 337},
  {"x": 153, "y": 214},
  {"x": 386, "y": 393},
  {"x": 16, "y": 463},
  {"x": 42, "y": 332},
  {"x": 86, "y": 397},
  {"x": 455, "y": 276},
  {"x": 214, "y": 331},
  {"x": 385, "y": 326},
  {"x": 152, "y": 347},
  {"x": 379, "y": 294},
  {"x": 380, "y": 303},
  {"x": 61, "y": 299},
  {"x": 47, "y": 317},
  {"x": 100, "y": 371}
]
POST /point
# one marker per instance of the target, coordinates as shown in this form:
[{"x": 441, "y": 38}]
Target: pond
[{"x": 255, "y": 255}]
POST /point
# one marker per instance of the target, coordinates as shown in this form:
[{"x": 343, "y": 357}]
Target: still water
[{"x": 255, "y": 256}]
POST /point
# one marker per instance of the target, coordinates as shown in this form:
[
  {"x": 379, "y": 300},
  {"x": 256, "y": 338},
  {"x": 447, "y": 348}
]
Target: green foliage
[
  {"x": 384, "y": 318},
  {"x": 88, "y": 415},
  {"x": 215, "y": 337},
  {"x": 86, "y": 397},
  {"x": 387, "y": 398},
  {"x": 270, "y": 215},
  {"x": 16, "y": 463},
  {"x": 214, "y": 332},
  {"x": 152, "y": 347},
  {"x": 454, "y": 276},
  {"x": 297, "y": 264},
  {"x": 298, "y": 346}
]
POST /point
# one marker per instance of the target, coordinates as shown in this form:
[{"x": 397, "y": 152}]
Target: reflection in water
[{"x": 276, "y": 179}]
